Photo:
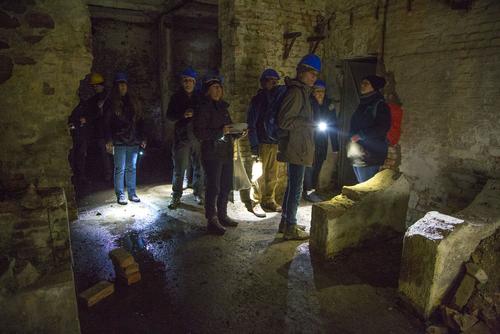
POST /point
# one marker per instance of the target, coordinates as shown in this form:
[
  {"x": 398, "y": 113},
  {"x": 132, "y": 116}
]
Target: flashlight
[
  {"x": 141, "y": 151},
  {"x": 322, "y": 126}
]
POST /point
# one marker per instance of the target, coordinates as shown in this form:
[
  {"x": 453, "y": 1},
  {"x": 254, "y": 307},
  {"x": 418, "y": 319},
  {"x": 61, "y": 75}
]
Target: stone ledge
[
  {"x": 436, "y": 246},
  {"x": 365, "y": 211}
]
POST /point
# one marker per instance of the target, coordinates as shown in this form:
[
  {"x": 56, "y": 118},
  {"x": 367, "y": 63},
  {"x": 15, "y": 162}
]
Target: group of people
[{"x": 290, "y": 125}]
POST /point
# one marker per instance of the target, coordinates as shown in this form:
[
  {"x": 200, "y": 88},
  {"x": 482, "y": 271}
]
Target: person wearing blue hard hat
[
  {"x": 212, "y": 126},
  {"x": 325, "y": 119},
  {"x": 263, "y": 147},
  {"x": 186, "y": 147},
  {"x": 296, "y": 141},
  {"x": 125, "y": 134}
]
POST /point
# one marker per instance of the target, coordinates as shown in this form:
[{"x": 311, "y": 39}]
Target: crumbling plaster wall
[
  {"x": 44, "y": 52},
  {"x": 445, "y": 63}
]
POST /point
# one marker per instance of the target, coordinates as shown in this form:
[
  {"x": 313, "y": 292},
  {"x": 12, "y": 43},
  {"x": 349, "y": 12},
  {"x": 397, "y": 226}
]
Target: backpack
[{"x": 271, "y": 114}]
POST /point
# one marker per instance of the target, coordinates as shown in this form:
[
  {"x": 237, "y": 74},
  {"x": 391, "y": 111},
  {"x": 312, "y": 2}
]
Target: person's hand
[
  {"x": 355, "y": 138},
  {"x": 226, "y": 129},
  {"x": 83, "y": 120},
  {"x": 109, "y": 147},
  {"x": 244, "y": 133},
  {"x": 143, "y": 144},
  {"x": 100, "y": 104},
  {"x": 188, "y": 113}
]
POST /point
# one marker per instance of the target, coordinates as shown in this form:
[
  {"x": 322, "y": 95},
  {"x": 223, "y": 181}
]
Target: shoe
[
  {"x": 134, "y": 198},
  {"x": 282, "y": 227},
  {"x": 121, "y": 200},
  {"x": 271, "y": 207},
  {"x": 251, "y": 206},
  {"x": 214, "y": 227},
  {"x": 293, "y": 232},
  {"x": 198, "y": 199},
  {"x": 174, "y": 203},
  {"x": 228, "y": 222}
]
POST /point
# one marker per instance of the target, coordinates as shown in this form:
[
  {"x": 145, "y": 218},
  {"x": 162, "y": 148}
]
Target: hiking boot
[
  {"x": 228, "y": 222},
  {"x": 282, "y": 227},
  {"x": 174, "y": 203},
  {"x": 271, "y": 207},
  {"x": 312, "y": 198},
  {"x": 120, "y": 199},
  {"x": 293, "y": 232},
  {"x": 251, "y": 207},
  {"x": 214, "y": 227},
  {"x": 134, "y": 198}
]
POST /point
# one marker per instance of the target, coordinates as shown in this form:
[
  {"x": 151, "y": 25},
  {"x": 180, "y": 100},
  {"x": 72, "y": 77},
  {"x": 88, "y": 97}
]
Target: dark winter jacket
[
  {"x": 208, "y": 121},
  {"x": 123, "y": 128},
  {"x": 295, "y": 119},
  {"x": 256, "y": 118},
  {"x": 179, "y": 103},
  {"x": 371, "y": 121},
  {"x": 93, "y": 114},
  {"x": 325, "y": 113}
]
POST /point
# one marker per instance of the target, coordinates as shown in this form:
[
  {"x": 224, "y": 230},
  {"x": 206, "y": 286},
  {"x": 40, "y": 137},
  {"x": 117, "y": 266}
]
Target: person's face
[
  {"x": 122, "y": 88},
  {"x": 319, "y": 95},
  {"x": 269, "y": 83},
  {"x": 308, "y": 77},
  {"x": 366, "y": 87},
  {"x": 98, "y": 88},
  {"x": 188, "y": 84},
  {"x": 215, "y": 92}
]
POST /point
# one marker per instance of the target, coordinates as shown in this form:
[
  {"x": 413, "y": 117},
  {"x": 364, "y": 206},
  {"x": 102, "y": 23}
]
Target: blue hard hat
[
  {"x": 269, "y": 73},
  {"x": 320, "y": 84},
  {"x": 121, "y": 77},
  {"x": 189, "y": 72},
  {"x": 312, "y": 61}
]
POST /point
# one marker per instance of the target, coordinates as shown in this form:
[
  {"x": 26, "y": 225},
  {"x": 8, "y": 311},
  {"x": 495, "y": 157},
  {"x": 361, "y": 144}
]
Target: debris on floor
[
  {"x": 96, "y": 293},
  {"x": 126, "y": 269}
]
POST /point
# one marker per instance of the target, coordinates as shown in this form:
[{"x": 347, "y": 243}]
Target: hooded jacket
[
  {"x": 208, "y": 121},
  {"x": 371, "y": 121},
  {"x": 296, "y": 122}
]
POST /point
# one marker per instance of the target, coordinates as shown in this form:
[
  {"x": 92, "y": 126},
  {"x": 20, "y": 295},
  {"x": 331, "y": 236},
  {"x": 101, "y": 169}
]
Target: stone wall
[
  {"x": 251, "y": 33},
  {"x": 445, "y": 63},
  {"x": 44, "y": 52},
  {"x": 131, "y": 47}
]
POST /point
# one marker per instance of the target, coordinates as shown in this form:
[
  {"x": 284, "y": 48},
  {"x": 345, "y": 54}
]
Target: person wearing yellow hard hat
[{"x": 87, "y": 123}]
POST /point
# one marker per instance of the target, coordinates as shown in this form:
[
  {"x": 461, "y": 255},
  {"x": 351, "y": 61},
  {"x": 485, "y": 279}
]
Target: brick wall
[{"x": 445, "y": 63}]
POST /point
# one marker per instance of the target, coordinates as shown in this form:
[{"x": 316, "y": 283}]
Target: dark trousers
[
  {"x": 311, "y": 175},
  {"x": 183, "y": 154},
  {"x": 219, "y": 182},
  {"x": 293, "y": 193}
]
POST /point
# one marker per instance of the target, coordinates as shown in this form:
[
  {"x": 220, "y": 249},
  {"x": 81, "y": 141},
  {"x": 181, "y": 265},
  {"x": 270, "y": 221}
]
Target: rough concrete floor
[{"x": 247, "y": 281}]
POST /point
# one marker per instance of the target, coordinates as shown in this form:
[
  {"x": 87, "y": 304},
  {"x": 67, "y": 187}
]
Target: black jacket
[
  {"x": 325, "y": 113},
  {"x": 94, "y": 116},
  {"x": 371, "y": 121},
  {"x": 123, "y": 128},
  {"x": 208, "y": 122},
  {"x": 179, "y": 103}
]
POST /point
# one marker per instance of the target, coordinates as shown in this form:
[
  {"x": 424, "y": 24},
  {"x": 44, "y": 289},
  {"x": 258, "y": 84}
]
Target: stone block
[
  {"x": 464, "y": 291},
  {"x": 436, "y": 246},
  {"x": 125, "y": 272},
  {"x": 475, "y": 271},
  {"x": 121, "y": 257},
  {"x": 96, "y": 293},
  {"x": 368, "y": 210},
  {"x": 130, "y": 279}
]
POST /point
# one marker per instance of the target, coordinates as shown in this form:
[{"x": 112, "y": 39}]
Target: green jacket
[{"x": 296, "y": 122}]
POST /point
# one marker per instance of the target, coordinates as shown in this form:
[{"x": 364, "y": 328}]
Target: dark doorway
[{"x": 354, "y": 70}]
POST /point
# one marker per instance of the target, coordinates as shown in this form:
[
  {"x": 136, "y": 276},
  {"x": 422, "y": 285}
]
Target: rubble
[{"x": 96, "y": 293}]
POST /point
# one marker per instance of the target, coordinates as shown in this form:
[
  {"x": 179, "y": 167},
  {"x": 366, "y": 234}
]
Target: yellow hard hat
[{"x": 96, "y": 78}]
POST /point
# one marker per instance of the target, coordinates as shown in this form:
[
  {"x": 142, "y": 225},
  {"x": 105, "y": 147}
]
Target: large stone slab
[
  {"x": 364, "y": 211},
  {"x": 436, "y": 246}
]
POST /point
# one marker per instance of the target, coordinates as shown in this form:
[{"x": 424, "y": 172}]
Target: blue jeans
[
  {"x": 125, "y": 165},
  {"x": 365, "y": 173},
  {"x": 293, "y": 193}
]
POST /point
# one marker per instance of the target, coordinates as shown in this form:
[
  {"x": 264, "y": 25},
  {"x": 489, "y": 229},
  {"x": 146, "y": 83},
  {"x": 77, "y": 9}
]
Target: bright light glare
[{"x": 322, "y": 126}]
